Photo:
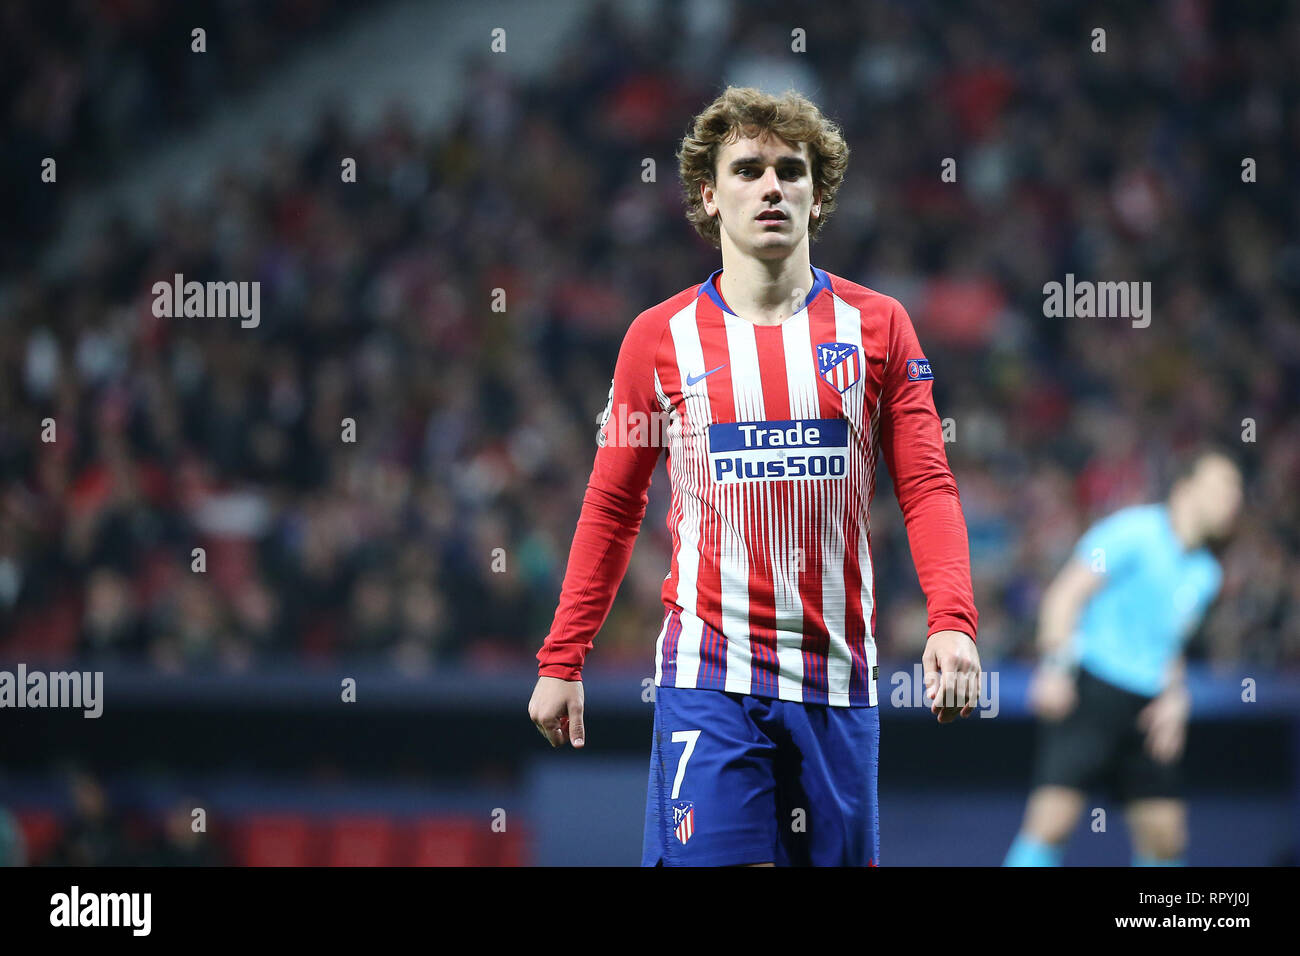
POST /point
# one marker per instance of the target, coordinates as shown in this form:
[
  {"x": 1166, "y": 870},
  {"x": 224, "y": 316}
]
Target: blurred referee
[{"x": 1109, "y": 689}]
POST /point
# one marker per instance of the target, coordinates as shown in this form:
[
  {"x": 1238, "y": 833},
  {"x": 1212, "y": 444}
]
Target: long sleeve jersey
[{"x": 772, "y": 434}]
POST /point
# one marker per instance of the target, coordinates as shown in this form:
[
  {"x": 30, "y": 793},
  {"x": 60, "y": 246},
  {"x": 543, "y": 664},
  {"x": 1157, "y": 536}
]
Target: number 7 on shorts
[{"x": 690, "y": 736}]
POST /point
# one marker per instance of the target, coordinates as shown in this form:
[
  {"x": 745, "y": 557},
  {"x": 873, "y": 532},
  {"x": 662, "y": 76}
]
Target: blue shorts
[{"x": 740, "y": 779}]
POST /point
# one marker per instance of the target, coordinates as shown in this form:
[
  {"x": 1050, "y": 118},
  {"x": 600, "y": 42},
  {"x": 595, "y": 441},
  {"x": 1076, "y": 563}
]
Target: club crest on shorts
[
  {"x": 839, "y": 364},
  {"x": 683, "y": 820}
]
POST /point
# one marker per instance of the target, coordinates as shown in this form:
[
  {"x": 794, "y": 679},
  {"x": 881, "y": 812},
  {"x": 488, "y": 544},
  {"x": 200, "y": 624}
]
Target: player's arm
[
  {"x": 1165, "y": 719},
  {"x": 612, "y": 510},
  {"x": 1059, "y": 612},
  {"x": 912, "y": 442},
  {"x": 1052, "y": 691}
]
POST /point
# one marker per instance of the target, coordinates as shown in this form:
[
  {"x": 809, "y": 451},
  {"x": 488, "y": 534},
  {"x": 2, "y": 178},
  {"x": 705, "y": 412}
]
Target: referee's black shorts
[{"x": 1099, "y": 746}]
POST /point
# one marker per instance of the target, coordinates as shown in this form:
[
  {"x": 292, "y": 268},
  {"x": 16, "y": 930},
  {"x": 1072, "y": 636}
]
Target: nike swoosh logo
[{"x": 692, "y": 379}]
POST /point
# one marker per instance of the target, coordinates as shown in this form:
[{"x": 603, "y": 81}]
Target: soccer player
[
  {"x": 1110, "y": 687},
  {"x": 778, "y": 385}
]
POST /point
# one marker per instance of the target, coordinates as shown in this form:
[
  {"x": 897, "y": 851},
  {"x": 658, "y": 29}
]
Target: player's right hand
[
  {"x": 556, "y": 711},
  {"x": 1052, "y": 693}
]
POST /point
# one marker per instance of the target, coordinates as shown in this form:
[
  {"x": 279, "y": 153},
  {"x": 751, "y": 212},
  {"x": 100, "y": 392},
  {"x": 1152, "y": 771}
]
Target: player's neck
[
  {"x": 765, "y": 291},
  {"x": 1184, "y": 524}
]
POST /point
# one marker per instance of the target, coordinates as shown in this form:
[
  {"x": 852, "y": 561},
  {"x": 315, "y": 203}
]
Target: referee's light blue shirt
[{"x": 1154, "y": 595}]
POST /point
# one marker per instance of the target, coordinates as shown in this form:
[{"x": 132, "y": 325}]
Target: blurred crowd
[
  {"x": 91, "y": 83},
  {"x": 441, "y": 532},
  {"x": 91, "y": 831}
]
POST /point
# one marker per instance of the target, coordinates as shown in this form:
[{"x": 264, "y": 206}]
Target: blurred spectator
[
  {"x": 13, "y": 851},
  {"x": 93, "y": 836},
  {"x": 111, "y": 624},
  {"x": 178, "y": 844}
]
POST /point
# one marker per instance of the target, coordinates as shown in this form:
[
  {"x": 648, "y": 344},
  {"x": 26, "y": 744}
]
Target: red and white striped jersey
[{"x": 773, "y": 435}]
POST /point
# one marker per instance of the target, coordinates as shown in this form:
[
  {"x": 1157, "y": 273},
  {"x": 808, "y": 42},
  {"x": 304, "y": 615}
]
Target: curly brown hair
[{"x": 743, "y": 109}]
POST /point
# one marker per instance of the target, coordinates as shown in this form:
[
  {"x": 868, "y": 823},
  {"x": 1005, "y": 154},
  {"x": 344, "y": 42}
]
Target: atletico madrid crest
[
  {"x": 840, "y": 364},
  {"x": 683, "y": 820}
]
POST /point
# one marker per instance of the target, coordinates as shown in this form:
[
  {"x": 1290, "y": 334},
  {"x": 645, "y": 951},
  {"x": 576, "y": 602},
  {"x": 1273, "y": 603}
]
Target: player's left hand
[
  {"x": 1165, "y": 722},
  {"x": 951, "y": 664}
]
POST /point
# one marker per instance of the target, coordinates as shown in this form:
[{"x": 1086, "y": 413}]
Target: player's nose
[{"x": 771, "y": 182}]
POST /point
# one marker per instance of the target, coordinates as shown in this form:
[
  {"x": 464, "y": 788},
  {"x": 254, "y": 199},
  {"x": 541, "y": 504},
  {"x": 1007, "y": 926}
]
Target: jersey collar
[{"x": 710, "y": 289}]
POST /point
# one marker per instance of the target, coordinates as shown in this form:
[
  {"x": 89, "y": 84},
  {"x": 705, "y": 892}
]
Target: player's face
[
  {"x": 1216, "y": 484},
  {"x": 763, "y": 195}
]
